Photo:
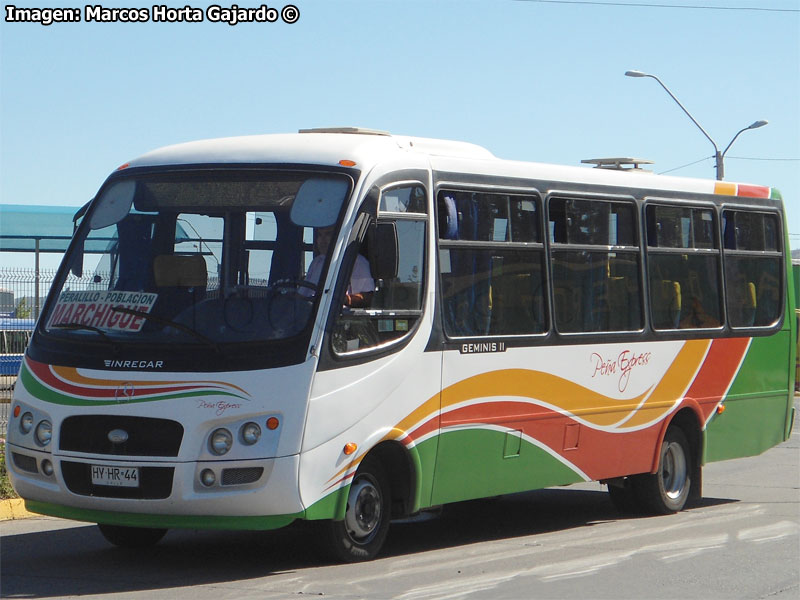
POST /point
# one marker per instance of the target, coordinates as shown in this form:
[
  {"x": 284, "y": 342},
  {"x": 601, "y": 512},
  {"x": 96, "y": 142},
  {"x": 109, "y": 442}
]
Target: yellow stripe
[
  {"x": 724, "y": 188},
  {"x": 674, "y": 383},
  {"x": 558, "y": 392}
]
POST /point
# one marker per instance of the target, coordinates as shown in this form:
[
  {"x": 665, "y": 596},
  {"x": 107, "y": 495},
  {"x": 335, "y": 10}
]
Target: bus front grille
[
  {"x": 24, "y": 463},
  {"x": 241, "y": 476},
  {"x": 143, "y": 436}
]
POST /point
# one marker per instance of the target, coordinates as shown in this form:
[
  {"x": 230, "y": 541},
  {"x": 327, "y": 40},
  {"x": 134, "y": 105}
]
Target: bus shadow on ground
[
  {"x": 78, "y": 561},
  {"x": 511, "y": 516}
]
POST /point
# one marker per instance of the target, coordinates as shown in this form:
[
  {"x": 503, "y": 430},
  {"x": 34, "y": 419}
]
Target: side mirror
[
  {"x": 383, "y": 250},
  {"x": 114, "y": 205}
]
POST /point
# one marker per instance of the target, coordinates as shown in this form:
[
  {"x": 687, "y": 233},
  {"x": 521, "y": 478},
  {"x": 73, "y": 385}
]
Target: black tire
[
  {"x": 361, "y": 534},
  {"x": 131, "y": 537},
  {"x": 667, "y": 490}
]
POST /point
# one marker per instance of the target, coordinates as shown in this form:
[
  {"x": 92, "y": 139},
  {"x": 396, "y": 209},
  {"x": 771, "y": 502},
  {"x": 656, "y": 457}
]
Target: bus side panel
[
  {"x": 477, "y": 463},
  {"x": 522, "y": 418},
  {"x": 392, "y": 400},
  {"x": 586, "y": 413},
  {"x": 757, "y": 404}
]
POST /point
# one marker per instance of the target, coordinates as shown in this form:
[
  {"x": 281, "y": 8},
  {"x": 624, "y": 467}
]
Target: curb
[{"x": 14, "y": 509}]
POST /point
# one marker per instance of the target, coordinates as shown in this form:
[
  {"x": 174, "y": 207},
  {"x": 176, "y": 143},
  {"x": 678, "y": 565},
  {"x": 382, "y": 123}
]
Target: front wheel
[
  {"x": 361, "y": 534},
  {"x": 131, "y": 537},
  {"x": 667, "y": 490}
]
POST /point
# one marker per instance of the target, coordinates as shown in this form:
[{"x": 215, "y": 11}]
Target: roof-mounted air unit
[
  {"x": 357, "y": 130},
  {"x": 618, "y": 164}
]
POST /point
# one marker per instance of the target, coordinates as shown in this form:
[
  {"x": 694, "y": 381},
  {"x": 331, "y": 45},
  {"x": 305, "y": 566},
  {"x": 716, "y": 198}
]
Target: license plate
[{"x": 115, "y": 476}]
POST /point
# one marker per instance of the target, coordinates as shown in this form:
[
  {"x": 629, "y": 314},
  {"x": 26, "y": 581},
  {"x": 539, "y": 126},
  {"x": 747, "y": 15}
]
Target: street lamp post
[{"x": 718, "y": 156}]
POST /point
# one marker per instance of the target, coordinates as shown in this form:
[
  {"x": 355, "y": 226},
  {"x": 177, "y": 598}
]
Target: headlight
[
  {"x": 220, "y": 442},
  {"x": 26, "y": 423},
  {"x": 44, "y": 432},
  {"x": 251, "y": 433}
]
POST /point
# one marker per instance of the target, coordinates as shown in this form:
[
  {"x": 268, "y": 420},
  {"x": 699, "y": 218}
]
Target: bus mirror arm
[
  {"x": 382, "y": 244},
  {"x": 77, "y": 216}
]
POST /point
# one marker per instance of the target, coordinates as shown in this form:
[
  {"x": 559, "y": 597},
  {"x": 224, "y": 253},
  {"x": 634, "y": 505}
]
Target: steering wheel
[
  {"x": 298, "y": 284},
  {"x": 281, "y": 289}
]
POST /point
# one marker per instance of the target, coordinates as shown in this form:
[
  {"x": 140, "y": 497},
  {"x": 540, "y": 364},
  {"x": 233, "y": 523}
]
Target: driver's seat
[{"x": 181, "y": 280}]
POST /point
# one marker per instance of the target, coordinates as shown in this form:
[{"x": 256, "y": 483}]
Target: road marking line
[{"x": 767, "y": 533}]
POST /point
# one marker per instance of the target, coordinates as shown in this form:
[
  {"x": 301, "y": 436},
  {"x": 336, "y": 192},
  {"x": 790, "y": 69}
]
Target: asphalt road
[{"x": 741, "y": 541}]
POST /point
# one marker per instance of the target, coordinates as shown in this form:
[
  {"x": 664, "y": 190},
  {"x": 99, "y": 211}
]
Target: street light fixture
[{"x": 718, "y": 156}]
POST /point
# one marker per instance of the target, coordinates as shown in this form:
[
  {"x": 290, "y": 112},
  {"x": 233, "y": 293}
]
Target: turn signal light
[
  {"x": 272, "y": 423},
  {"x": 347, "y": 163},
  {"x": 350, "y": 447},
  {"x": 17, "y": 410},
  {"x": 720, "y": 409}
]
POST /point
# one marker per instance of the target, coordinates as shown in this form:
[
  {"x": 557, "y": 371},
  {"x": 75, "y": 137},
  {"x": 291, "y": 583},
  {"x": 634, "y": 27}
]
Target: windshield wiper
[
  {"x": 78, "y": 326},
  {"x": 168, "y": 323}
]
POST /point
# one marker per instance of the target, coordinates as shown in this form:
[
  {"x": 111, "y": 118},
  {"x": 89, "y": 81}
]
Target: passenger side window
[
  {"x": 392, "y": 307},
  {"x": 595, "y": 262},
  {"x": 684, "y": 267},
  {"x": 753, "y": 268},
  {"x": 491, "y": 263}
]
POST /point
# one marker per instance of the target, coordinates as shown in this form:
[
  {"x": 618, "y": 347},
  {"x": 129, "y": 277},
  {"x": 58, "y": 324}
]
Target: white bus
[{"x": 346, "y": 326}]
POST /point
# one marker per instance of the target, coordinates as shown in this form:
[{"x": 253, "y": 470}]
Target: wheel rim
[
  {"x": 364, "y": 510},
  {"x": 674, "y": 470}
]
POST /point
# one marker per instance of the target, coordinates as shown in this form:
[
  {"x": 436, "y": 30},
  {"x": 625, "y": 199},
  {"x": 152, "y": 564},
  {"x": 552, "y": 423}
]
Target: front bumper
[{"x": 253, "y": 491}]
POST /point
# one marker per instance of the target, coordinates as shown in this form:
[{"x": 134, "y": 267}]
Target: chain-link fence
[
  {"x": 24, "y": 290},
  {"x": 22, "y": 293}
]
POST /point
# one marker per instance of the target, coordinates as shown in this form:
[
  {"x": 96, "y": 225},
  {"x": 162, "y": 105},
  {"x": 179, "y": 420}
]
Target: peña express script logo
[{"x": 620, "y": 366}]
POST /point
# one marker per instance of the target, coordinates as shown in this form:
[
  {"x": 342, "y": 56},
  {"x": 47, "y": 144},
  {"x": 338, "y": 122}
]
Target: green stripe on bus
[
  {"x": 44, "y": 393},
  {"x": 755, "y": 403},
  {"x": 478, "y": 463},
  {"x": 162, "y": 521}
]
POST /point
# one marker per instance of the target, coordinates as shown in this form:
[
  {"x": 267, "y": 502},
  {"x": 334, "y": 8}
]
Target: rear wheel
[
  {"x": 667, "y": 490},
  {"x": 131, "y": 537},
  {"x": 361, "y": 534}
]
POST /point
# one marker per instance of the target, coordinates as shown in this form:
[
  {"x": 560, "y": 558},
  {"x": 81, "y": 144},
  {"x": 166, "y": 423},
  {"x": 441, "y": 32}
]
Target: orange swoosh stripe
[
  {"x": 672, "y": 386},
  {"x": 72, "y": 375}
]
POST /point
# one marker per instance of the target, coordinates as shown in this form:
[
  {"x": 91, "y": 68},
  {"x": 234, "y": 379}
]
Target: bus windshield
[{"x": 207, "y": 256}]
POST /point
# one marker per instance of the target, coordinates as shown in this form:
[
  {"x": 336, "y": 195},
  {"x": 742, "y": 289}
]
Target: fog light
[
  {"x": 26, "y": 423},
  {"x": 44, "y": 432},
  {"x": 47, "y": 467},
  {"x": 221, "y": 441},
  {"x": 251, "y": 433},
  {"x": 207, "y": 477}
]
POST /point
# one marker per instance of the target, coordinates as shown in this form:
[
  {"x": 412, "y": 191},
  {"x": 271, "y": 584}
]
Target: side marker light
[
  {"x": 721, "y": 409},
  {"x": 17, "y": 410},
  {"x": 347, "y": 163},
  {"x": 350, "y": 447}
]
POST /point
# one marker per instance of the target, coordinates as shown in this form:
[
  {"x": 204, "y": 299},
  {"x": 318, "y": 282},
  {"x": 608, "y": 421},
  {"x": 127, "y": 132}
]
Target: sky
[{"x": 527, "y": 79}]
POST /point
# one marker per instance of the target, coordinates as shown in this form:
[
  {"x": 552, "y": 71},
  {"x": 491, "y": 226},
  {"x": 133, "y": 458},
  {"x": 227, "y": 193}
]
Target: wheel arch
[
  {"x": 689, "y": 419},
  {"x": 402, "y": 467}
]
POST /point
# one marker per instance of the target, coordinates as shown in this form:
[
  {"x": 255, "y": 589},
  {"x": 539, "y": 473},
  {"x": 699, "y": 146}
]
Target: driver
[{"x": 359, "y": 292}]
